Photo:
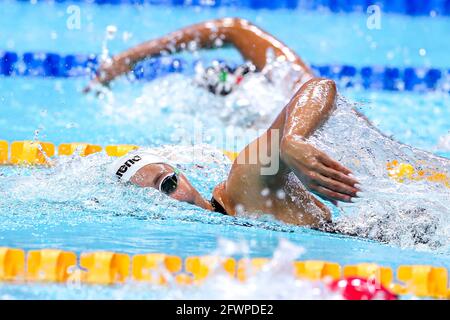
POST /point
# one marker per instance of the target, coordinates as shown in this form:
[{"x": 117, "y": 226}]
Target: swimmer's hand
[
  {"x": 104, "y": 75},
  {"x": 100, "y": 83},
  {"x": 96, "y": 87},
  {"x": 318, "y": 172}
]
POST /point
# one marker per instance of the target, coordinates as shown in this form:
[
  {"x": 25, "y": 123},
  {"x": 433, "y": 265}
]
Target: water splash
[
  {"x": 110, "y": 34},
  {"x": 79, "y": 189},
  {"x": 444, "y": 143},
  {"x": 275, "y": 280},
  {"x": 253, "y": 105},
  {"x": 413, "y": 214}
]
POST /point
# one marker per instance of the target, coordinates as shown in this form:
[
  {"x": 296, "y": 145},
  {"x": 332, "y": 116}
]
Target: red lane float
[{"x": 355, "y": 288}]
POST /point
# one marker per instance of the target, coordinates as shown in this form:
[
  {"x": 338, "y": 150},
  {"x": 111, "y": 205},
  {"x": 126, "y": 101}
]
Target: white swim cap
[{"x": 125, "y": 167}]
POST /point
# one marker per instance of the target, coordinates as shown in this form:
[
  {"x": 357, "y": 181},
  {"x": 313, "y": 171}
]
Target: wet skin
[
  {"x": 251, "y": 41},
  {"x": 246, "y": 189},
  {"x": 250, "y": 191}
]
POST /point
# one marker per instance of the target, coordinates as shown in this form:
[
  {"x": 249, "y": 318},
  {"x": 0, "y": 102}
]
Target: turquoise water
[
  {"x": 56, "y": 208},
  {"x": 63, "y": 114},
  {"x": 313, "y": 35}
]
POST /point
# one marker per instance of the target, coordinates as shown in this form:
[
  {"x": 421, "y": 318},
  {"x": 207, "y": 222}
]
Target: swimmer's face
[{"x": 153, "y": 175}]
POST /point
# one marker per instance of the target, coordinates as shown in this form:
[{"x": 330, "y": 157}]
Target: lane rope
[
  {"x": 107, "y": 268},
  {"x": 40, "y": 153},
  {"x": 430, "y": 8},
  {"x": 44, "y": 64}
]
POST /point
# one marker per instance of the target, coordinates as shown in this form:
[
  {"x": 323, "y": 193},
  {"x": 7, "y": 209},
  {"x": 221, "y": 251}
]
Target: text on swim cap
[{"x": 126, "y": 165}]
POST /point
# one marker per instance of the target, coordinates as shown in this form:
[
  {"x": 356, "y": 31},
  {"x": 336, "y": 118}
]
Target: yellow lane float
[
  {"x": 3, "y": 152},
  {"x": 82, "y": 149},
  {"x": 404, "y": 171},
  {"x": 50, "y": 265},
  {"x": 53, "y": 265},
  {"x": 153, "y": 267},
  {"x": 12, "y": 264},
  {"x": 232, "y": 155},
  {"x": 317, "y": 270},
  {"x": 104, "y": 267},
  {"x": 119, "y": 150},
  {"x": 34, "y": 152},
  {"x": 424, "y": 281},
  {"x": 201, "y": 267},
  {"x": 31, "y": 152}
]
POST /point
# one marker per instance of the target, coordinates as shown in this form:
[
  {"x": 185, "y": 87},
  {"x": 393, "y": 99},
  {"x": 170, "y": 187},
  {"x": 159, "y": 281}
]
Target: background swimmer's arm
[
  {"x": 251, "y": 41},
  {"x": 306, "y": 111}
]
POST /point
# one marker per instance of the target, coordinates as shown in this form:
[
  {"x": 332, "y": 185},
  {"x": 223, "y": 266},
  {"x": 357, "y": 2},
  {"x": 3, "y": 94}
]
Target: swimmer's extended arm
[
  {"x": 251, "y": 41},
  {"x": 306, "y": 111}
]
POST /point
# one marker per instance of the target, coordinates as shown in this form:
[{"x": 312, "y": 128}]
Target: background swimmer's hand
[
  {"x": 96, "y": 84},
  {"x": 91, "y": 85},
  {"x": 107, "y": 72},
  {"x": 317, "y": 171},
  {"x": 96, "y": 87},
  {"x": 102, "y": 79}
]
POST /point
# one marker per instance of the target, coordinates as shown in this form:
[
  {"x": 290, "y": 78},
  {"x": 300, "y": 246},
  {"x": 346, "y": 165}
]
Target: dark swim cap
[{"x": 221, "y": 79}]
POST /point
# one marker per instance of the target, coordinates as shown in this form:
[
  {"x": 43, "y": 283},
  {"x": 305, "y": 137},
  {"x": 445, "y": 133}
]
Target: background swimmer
[{"x": 254, "y": 44}]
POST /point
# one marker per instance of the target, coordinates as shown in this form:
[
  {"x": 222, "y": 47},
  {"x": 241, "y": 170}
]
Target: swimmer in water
[
  {"x": 246, "y": 189},
  {"x": 254, "y": 44}
]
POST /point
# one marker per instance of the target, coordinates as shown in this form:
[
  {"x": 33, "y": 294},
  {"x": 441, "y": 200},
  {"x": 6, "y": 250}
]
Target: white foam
[
  {"x": 444, "y": 143},
  {"x": 403, "y": 214}
]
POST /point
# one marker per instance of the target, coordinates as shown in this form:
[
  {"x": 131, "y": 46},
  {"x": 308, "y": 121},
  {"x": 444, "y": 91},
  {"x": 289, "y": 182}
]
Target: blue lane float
[
  {"x": 46, "y": 64},
  {"x": 408, "y": 7},
  {"x": 34, "y": 64}
]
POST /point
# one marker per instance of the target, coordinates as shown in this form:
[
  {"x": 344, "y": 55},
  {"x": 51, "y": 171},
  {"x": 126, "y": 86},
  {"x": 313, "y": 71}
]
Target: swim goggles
[{"x": 169, "y": 183}]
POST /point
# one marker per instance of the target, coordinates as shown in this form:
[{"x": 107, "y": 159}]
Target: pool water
[{"x": 75, "y": 206}]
